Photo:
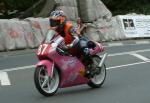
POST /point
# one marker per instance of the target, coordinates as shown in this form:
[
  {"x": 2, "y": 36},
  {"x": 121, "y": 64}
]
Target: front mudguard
[{"x": 49, "y": 66}]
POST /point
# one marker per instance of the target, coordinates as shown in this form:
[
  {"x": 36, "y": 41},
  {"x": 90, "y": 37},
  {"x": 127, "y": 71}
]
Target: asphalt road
[{"x": 128, "y": 73}]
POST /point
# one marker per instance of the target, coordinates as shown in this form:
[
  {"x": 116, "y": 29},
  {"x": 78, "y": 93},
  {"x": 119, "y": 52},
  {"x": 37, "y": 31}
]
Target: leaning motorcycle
[{"x": 58, "y": 69}]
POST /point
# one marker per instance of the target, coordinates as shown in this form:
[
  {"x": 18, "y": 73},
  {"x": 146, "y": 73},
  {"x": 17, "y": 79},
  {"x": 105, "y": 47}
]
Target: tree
[
  {"x": 128, "y": 6},
  {"x": 12, "y": 8}
]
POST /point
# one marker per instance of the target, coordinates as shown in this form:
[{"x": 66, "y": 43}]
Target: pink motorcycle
[{"x": 58, "y": 69}]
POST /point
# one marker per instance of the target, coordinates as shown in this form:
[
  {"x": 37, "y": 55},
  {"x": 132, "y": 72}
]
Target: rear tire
[
  {"x": 98, "y": 79},
  {"x": 45, "y": 85}
]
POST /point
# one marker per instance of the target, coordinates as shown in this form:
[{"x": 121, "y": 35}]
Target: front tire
[
  {"x": 98, "y": 79},
  {"x": 45, "y": 85}
]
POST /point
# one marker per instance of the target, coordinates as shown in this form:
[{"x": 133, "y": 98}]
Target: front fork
[{"x": 103, "y": 60}]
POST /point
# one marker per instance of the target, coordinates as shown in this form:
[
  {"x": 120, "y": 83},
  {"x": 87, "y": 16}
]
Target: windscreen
[{"x": 49, "y": 36}]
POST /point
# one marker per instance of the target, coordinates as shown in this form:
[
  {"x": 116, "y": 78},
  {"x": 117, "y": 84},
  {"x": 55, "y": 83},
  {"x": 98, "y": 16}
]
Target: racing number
[{"x": 42, "y": 49}]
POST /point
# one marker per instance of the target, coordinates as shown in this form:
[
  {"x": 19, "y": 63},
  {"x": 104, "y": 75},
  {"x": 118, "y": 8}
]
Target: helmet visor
[{"x": 54, "y": 23}]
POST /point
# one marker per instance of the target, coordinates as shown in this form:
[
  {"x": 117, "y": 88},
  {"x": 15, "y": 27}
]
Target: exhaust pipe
[{"x": 103, "y": 60}]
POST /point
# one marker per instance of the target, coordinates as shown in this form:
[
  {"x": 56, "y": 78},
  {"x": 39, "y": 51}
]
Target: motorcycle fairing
[{"x": 71, "y": 70}]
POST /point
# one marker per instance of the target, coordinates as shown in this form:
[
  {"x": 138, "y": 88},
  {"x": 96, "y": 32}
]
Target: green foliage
[
  {"x": 117, "y": 7},
  {"x": 128, "y": 6},
  {"x": 14, "y": 8},
  {"x": 20, "y": 5}
]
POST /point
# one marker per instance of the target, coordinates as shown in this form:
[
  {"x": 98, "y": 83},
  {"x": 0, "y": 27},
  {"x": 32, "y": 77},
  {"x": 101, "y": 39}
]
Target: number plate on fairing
[{"x": 43, "y": 49}]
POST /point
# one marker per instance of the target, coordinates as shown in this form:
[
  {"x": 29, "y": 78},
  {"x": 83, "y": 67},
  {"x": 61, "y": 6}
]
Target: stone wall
[{"x": 28, "y": 33}]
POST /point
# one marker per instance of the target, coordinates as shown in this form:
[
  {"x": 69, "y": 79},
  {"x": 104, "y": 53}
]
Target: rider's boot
[
  {"x": 87, "y": 61},
  {"x": 91, "y": 70}
]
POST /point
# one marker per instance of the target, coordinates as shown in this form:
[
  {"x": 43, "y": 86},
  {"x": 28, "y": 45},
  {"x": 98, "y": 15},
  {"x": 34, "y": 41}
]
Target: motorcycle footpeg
[{"x": 88, "y": 74}]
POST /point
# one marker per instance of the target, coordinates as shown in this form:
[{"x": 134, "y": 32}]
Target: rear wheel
[
  {"x": 44, "y": 84},
  {"x": 98, "y": 79}
]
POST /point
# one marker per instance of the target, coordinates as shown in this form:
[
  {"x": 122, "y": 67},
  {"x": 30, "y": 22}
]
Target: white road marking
[
  {"x": 115, "y": 54},
  {"x": 140, "y": 57},
  {"x": 142, "y": 42},
  {"x": 132, "y": 64},
  {"x": 115, "y": 44},
  {"x": 18, "y": 68},
  {"x": 130, "y": 52},
  {"x": 138, "y": 43},
  {"x": 4, "y": 79},
  {"x": 31, "y": 66}
]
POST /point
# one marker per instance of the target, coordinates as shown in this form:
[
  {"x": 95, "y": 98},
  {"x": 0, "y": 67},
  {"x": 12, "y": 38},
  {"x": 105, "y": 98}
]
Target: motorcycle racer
[
  {"x": 75, "y": 43},
  {"x": 64, "y": 28}
]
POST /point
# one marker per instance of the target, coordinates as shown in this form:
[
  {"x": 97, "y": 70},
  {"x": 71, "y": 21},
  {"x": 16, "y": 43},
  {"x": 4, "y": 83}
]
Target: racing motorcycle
[{"x": 59, "y": 69}]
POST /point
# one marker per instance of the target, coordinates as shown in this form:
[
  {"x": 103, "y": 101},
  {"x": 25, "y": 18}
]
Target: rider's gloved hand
[{"x": 69, "y": 46}]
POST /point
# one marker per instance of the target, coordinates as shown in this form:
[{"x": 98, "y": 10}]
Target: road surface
[{"x": 128, "y": 74}]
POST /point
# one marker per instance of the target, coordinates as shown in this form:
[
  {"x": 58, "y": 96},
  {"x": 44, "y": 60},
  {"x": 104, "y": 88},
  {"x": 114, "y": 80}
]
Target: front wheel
[
  {"x": 44, "y": 84},
  {"x": 98, "y": 79}
]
